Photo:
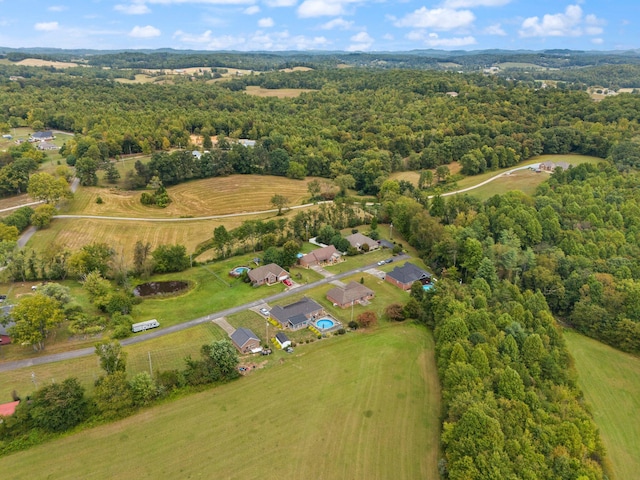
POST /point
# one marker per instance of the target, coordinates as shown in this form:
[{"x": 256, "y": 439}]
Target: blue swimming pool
[
  {"x": 240, "y": 270},
  {"x": 325, "y": 323},
  {"x": 428, "y": 286}
]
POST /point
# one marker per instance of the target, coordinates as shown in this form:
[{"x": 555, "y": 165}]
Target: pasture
[
  {"x": 610, "y": 380},
  {"x": 364, "y": 405},
  {"x": 211, "y": 196},
  {"x": 37, "y": 62},
  {"x": 276, "y": 92}
]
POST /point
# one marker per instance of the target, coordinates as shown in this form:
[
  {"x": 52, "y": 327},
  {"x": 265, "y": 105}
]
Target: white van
[{"x": 142, "y": 326}]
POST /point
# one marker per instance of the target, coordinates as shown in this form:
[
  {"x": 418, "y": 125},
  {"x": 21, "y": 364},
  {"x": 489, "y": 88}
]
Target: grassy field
[
  {"x": 413, "y": 176},
  {"x": 610, "y": 380},
  {"x": 519, "y": 179},
  {"x": 276, "y": 92},
  {"x": 211, "y": 196},
  {"x": 363, "y": 406}
]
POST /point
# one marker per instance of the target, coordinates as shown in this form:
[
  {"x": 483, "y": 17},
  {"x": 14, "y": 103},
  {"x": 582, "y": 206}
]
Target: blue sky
[{"x": 352, "y": 25}]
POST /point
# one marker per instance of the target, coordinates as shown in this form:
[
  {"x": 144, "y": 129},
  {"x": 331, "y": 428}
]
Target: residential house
[
  {"x": 246, "y": 341},
  {"x": 350, "y": 294},
  {"x": 42, "y": 136},
  {"x": 298, "y": 315},
  {"x": 268, "y": 274},
  {"x": 357, "y": 240},
  {"x": 404, "y": 276},
  {"x": 247, "y": 143},
  {"x": 549, "y": 166},
  {"x": 46, "y": 146},
  {"x": 320, "y": 256},
  {"x": 196, "y": 154},
  {"x": 5, "y": 338},
  {"x": 282, "y": 340}
]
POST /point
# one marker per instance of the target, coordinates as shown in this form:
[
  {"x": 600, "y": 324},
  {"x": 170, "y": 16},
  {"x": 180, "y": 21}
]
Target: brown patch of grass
[
  {"x": 279, "y": 92},
  {"x": 36, "y": 62}
]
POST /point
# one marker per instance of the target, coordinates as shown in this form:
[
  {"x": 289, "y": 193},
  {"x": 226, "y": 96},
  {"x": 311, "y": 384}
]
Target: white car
[
  {"x": 264, "y": 311},
  {"x": 380, "y": 263}
]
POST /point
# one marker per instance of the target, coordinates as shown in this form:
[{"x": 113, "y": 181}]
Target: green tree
[
  {"x": 59, "y": 406},
  {"x": 86, "y": 169},
  {"x": 170, "y": 258},
  {"x": 344, "y": 183},
  {"x": 141, "y": 264},
  {"x": 143, "y": 389},
  {"x": 314, "y": 188},
  {"x": 280, "y": 202},
  {"x": 113, "y": 396},
  {"x": 61, "y": 293},
  {"x": 221, "y": 238},
  {"x": 112, "y": 173},
  {"x": 223, "y": 357},
  {"x": 112, "y": 358},
  {"x": 43, "y": 215},
  {"x": 47, "y": 188},
  {"x": 35, "y": 316}
]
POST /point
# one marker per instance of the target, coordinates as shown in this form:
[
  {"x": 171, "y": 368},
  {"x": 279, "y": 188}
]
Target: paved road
[{"x": 4, "y": 367}]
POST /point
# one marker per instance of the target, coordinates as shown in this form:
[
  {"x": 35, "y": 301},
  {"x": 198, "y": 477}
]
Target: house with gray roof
[
  {"x": 267, "y": 274},
  {"x": 404, "y": 276},
  {"x": 350, "y": 294},
  {"x": 283, "y": 340},
  {"x": 298, "y": 315},
  {"x": 357, "y": 240},
  {"x": 42, "y": 136},
  {"x": 246, "y": 341}
]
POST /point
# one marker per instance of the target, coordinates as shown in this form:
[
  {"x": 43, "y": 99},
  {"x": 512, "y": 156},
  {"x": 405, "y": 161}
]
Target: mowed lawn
[
  {"x": 365, "y": 405},
  {"x": 211, "y": 196},
  {"x": 610, "y": 380}
]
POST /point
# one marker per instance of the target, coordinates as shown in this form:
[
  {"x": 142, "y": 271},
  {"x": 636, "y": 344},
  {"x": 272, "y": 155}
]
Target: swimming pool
[
  {"x": 428, "y": 286},
  {"x": 325, "y": 323},
  {"x": 240, "y": 270}
]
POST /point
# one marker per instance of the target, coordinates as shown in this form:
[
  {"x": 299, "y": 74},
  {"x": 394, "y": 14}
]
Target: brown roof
[
  {"x": 319, "y": 255},
  {"x": 260, "y": 273},
  {"x": 349, "y": 293}
]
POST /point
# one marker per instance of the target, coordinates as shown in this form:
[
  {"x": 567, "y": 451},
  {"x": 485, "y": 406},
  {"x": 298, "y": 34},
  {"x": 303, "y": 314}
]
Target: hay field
[
  {"x": 36, "y": 62},
  {"x": 198, "y": 198},
  {"x": 413, "y": 176},
  {"x": 362, "y": 405},
  {"x": 279, "y": 92},
  {"x": 610, "y": 380}
]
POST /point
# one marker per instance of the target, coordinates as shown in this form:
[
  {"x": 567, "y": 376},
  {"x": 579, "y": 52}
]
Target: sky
[{"x": 345, "y": 25}]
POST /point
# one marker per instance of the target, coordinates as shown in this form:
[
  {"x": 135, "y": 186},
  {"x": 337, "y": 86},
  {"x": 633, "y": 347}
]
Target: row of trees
[{"x": 59, "y": 407}]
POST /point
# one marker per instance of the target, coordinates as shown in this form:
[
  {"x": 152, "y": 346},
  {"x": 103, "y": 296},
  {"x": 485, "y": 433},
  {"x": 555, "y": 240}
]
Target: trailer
[{"x": 142, "y": 326}]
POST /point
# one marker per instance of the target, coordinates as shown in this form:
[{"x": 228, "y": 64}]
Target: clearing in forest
[{"x": 276, "y": 92}]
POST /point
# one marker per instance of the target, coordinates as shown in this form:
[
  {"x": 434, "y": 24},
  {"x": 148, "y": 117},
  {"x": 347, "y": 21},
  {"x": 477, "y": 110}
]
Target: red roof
[{"x": 7, "y": 409}]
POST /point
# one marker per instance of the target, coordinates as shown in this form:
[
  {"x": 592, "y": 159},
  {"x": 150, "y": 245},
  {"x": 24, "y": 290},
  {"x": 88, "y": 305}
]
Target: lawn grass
[
  {"x": 610, "y": 380},
  {"x": 365, "y": 405},
  {"x": 165, "y": 352}
]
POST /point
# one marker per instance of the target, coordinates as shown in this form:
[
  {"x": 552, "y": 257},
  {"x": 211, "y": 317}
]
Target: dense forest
[{"x": 359, "y": 122}]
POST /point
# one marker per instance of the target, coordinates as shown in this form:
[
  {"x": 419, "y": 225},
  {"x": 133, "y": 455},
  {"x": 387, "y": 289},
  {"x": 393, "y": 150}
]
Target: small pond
[{"x": 159, "y": 288}]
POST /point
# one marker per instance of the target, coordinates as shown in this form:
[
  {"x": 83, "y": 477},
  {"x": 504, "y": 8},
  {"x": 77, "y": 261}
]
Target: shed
[
  {"x": 246, "y": 341},
  {"x": 283, "y": 340}
]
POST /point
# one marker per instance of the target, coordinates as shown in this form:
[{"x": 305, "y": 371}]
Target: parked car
[
  {"x": 3, "y": 298},
  {"x": 287, "y": 282},
  {"x": 264, "y": 311},
  {"x": 289, "y": 350},
  {"x": 381, "y": 262},
  {"x": 388, "y": 260}
]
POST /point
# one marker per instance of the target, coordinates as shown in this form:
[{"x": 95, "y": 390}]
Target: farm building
[
  {"x": 321, "y": 256},
  {"x": 404, "y": 276},
  {"x": 246, "y": 341},
  {"x": 42, "y": 136},
  {"x": 47, "y": 146},
  {"x": 8, "y": 409},
  {"x": 282, "y": 340},
  {"x": 350, "y": 294},
  {"x": 357, "y": 240},
  {"x": 268, "y": 274},
  {"x": 297, "y": 315}
]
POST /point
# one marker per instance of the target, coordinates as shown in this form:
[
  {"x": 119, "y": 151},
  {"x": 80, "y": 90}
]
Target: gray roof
[
  {"x": 281, "y": 337},
  {"x": 297, "y": 319},
  {"x": 306, "y": 306},
  {"x": 242, "y": 336},
  {"x": 385, "y": 243},
  {"x": 409, "y": 273},
  {"x": 45, "y": 134},
  {"x": 358, "y": 239}
]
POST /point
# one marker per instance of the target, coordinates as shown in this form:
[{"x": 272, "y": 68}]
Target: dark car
[{"x": 388, "y": 260}]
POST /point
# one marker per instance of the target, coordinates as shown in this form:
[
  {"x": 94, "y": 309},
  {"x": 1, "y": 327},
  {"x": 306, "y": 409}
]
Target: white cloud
[
  {"x": 434, "y": 40},
  {"x": 256, "y": 41},
  {"x": 597, "y": 41},
  {"x": 144, "y": 32},
  {"x": 46, "y": 26},
  {"x": 437, "y": 19},
  {"x": 319, "y": 8},
  {"x": 266, "y": 22},
  {"x": 57, "y": 8},
  {"x": 494, "y": 30},
  {"x": 360, "y": 41},
  {"x": 281, "y": 3},
  {"x": 337, "y": 23},
  {"x": 474, "y": 3},
  {"x": 204, "y": 2},
  {"x": 252, "y": 10},
  {"x": 388, "y": 36},
  {"x": 133, "y": 9},
  {"x": 567, "y": 24}
]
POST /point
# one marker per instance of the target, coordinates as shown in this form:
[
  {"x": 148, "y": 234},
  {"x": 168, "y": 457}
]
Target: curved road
[{"x": 83, "y": 352}]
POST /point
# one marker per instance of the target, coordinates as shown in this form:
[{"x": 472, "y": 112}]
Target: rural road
[{"x": 84, "y": 352}]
